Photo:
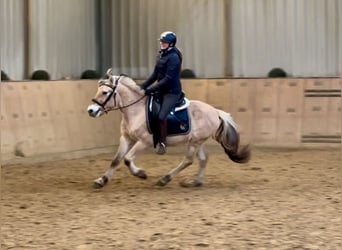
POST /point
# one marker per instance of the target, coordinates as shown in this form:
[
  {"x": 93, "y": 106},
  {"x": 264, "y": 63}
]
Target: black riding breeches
[{"x": 169, "y": 101}]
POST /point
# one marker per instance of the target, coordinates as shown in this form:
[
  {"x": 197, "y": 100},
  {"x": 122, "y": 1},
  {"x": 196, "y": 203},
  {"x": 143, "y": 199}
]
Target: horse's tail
[{"x": 228, "y": 136}]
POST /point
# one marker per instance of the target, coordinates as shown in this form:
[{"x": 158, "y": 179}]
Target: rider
[{"x": 168, "y": 87}]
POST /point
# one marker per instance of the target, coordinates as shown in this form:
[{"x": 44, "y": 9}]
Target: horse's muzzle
[{"x": 94, "y": 110}]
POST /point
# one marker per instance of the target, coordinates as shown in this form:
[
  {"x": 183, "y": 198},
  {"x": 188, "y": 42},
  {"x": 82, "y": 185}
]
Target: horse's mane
[{"x": 130, "y": 83}]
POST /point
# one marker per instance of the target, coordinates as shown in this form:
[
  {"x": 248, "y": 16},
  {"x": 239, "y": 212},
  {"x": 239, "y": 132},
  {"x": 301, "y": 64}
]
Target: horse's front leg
[
  {"x": 129, "y": 160},
  {"x": 124, "y": 147}
]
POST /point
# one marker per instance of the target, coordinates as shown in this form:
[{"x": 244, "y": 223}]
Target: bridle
[{"x": 113, "y": 94}]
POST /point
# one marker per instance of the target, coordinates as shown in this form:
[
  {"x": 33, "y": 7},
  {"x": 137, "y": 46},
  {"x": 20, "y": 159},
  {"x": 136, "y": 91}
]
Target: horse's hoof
[
  {"x": 141, "y": 174},
  {"x": 163, "y": 181},
  {"x": 187, "y": 184},
  {"x": 160, "y": 183},
  {"x": 97, "y": 185},
  {"x": 100, "y": 182}
]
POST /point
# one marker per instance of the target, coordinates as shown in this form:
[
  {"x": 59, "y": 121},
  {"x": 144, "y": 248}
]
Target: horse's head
[
  {"x": 105, "y": 97},
  {"x": 110, "y": 95}
]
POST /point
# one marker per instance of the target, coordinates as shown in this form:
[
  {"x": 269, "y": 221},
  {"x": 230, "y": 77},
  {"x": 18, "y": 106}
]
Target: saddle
[{"x": 178, "y": 122}]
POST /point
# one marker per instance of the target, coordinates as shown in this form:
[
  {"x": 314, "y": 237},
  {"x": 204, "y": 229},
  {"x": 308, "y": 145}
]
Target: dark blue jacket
[{"x": 166, "y": 72}]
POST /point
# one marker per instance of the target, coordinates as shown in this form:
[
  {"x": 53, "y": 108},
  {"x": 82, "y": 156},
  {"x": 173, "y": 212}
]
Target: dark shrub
[
  {"x": 187, "y": 73},
  {"x": 277, "y": 72},
  {"x": 4, "y": 76},
  {"x": 40, "y": 75},
  {"x": 90, "y": 74}
]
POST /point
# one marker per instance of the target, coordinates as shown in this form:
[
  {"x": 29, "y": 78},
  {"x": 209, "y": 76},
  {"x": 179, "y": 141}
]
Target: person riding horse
[{"x": 168, "y": 87}]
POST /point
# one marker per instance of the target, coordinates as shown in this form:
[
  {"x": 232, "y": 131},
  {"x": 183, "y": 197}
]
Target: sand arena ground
[{"x": 281, "y": 199}]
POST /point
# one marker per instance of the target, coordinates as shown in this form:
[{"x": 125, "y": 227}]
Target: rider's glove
[{"x": 148, "y": 92}]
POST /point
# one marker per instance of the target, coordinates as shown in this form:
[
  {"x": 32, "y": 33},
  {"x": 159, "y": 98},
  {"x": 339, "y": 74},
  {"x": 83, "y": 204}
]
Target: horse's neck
[{"x": 131, "y": 104}]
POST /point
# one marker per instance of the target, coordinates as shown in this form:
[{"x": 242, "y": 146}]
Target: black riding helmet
[{"x": 168, "y": 37}]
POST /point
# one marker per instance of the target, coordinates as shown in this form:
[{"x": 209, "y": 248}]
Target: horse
[{"x": 120, "y": 92}]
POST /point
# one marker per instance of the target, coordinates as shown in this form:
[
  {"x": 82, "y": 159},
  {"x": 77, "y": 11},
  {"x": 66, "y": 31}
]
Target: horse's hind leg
[
  {"x": 203, "y": 159},
  {"x": 124, "y": 146},
  {"x": 187, "y": 161}
]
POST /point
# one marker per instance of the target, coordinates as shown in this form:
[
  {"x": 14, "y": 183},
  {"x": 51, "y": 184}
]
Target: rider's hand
[{"x": 148, "y": 92}]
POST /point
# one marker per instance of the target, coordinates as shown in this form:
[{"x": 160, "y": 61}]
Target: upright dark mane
[
  {"x": 130, "y": 83},
  {"x": 108, "y": 78}
]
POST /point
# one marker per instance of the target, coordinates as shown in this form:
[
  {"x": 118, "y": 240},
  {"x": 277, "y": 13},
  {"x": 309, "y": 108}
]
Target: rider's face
[{"x": 164, "y": 45}]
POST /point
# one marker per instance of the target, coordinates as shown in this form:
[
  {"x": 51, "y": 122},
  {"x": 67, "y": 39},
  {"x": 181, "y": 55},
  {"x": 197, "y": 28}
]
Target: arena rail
[{"x": 39, "y": 118}]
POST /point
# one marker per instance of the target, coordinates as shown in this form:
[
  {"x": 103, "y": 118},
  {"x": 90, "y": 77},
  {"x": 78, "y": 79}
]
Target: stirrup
[{"x": 161, "y": 148}]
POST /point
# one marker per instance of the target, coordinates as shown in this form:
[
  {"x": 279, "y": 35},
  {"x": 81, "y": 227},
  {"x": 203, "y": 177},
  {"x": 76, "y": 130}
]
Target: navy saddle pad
[{"x": 178, "y": 122}]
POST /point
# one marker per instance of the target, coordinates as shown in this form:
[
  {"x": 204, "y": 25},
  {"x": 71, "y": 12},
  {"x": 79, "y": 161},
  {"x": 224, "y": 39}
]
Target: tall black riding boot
[{"x": 161, "y": 147}]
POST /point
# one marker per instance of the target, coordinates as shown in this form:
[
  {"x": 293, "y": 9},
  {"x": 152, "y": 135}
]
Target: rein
[{"x": 128, "y": 105}]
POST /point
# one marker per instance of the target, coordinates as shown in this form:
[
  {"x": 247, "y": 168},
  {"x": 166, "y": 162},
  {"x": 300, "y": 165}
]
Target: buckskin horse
[{"x": 192, "y": 123}]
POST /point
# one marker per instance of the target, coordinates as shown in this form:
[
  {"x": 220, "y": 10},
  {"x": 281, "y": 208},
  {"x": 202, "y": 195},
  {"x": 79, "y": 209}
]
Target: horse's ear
[{"x": 109, "y": 72}]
